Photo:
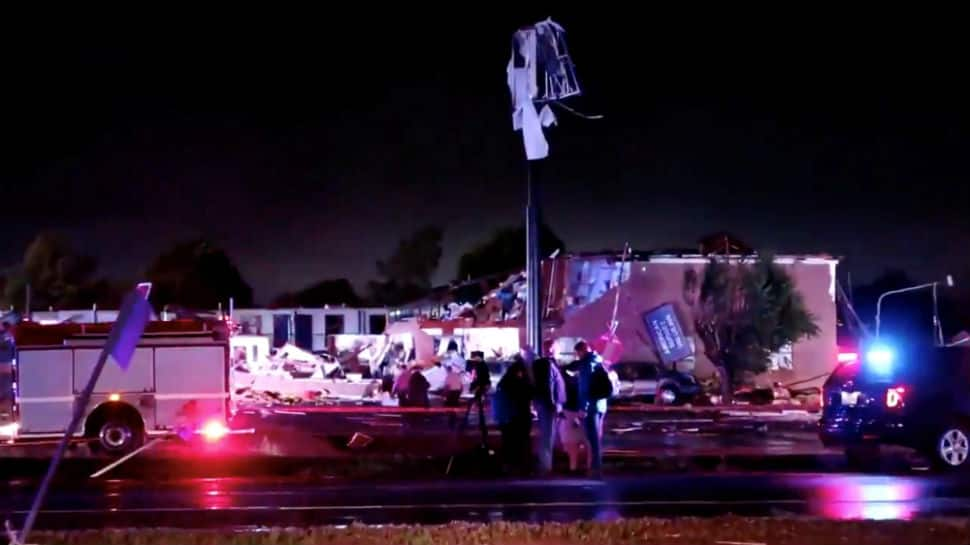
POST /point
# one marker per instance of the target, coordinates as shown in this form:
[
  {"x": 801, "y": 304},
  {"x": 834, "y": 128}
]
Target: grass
[{"x": 679, "y": 531}]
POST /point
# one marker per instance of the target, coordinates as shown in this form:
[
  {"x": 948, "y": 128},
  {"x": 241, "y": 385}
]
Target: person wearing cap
[{"x": 592, "y": 405}]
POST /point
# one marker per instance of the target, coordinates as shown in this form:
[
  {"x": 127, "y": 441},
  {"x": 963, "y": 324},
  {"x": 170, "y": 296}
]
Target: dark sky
[{"x": 307, "y": 149}]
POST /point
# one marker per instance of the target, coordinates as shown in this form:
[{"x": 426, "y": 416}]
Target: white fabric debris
[
  {"x": 526, "y": 119},
  {"x": 538, "y": 51},
  {"x": 522, "y": 85}
]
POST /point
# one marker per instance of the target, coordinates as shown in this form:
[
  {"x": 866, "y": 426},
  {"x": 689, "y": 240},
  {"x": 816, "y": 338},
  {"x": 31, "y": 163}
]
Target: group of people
[
  {"x": 569, "y": 404},
  {"x": 410, "y": 384}
]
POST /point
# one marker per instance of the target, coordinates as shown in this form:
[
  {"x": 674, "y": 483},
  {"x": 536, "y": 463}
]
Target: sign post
[{"x": 127, "y": 330}]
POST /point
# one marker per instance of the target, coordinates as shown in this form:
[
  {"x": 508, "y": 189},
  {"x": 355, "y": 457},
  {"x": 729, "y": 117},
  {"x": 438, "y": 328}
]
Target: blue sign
[
  {"x": 667, "y": 334},
  {"x": 128, "y": 328}
]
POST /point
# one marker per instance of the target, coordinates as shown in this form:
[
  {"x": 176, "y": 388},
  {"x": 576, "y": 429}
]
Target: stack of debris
[{"x": 292, "y": 375}]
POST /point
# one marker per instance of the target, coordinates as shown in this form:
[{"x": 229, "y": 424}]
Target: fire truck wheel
[{"x": 115, "y": 433}]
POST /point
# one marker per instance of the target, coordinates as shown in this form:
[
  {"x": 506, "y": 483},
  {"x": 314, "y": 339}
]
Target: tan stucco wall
[{"x": 651, "y": 284}]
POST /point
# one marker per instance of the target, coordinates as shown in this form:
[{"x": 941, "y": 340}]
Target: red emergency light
[
  {"x": 848, "y": 357},
  {"x": 214, "y": 430}
]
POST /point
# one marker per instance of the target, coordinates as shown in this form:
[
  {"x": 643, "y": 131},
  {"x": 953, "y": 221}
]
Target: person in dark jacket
[
  {"x": 418, "y": 386},
  {"x": 592, "y": 409},
  {"x": 513, "y": 408},
  {"x": 480, "y": 385},
  {"x": 550, "y": 394}
]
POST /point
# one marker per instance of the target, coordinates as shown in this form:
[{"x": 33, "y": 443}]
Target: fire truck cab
[{"x": 177, "y": 383}]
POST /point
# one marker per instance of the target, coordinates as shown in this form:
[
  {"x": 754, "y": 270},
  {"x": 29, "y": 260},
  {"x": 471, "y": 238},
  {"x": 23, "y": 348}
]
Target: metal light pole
[
  {"x": 533, "y": 268},
  {"x": 540, "y": 72},
  {"x": 937, "y": 327}
]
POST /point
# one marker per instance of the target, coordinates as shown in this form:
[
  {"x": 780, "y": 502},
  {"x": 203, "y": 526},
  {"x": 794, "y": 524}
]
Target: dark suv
[
  {"x": 651, "y": 381},
  {"x": 916, "y": 397}
]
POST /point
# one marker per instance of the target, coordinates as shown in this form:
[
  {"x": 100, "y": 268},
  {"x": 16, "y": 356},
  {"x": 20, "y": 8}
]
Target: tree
[
  {"x": 504, "y": 252},
  {"x": 327, "y": 292},
  {"x": 197, "y": 275},
  {"x": 406, "y": 275},
  {"x": 746, "y": 312},
  {"x": 58, "y": 276}
]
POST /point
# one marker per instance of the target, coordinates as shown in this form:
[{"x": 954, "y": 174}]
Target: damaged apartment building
[{"x": 580, "y": 293}]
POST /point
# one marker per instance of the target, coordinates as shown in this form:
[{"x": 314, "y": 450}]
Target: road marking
[{"x": 452, "y": 506}]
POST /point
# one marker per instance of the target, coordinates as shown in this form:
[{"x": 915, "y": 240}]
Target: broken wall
[{"x": 584, "y": 289}]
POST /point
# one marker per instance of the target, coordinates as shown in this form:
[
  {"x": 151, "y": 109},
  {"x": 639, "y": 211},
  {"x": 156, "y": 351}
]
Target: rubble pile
[{"x": 293, "y": 376}]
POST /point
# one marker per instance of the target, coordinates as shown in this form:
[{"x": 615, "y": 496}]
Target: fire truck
[{"x": 177, "y": 384}]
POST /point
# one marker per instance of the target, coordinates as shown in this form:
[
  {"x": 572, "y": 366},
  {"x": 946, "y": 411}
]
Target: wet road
[{"x": 246, "y": 503}]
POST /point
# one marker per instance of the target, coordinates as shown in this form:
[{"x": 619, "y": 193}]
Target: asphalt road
[{"x": 246, "y": 503}]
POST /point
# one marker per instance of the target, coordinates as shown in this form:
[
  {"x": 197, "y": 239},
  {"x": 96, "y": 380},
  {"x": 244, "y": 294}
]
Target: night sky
[{"x": 308, "y": 149}]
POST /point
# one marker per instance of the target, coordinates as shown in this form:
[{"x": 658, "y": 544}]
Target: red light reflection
[
  {"x": 214, "y": 495},
  {"x": 877, "y": 498}
]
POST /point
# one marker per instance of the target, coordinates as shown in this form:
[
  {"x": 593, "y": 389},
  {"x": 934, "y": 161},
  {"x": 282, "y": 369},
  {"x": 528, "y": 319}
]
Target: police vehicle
[{"x": 914, "y": 395}]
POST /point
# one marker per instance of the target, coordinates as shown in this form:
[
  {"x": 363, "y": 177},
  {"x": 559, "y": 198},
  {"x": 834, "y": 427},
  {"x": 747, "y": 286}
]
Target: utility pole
[
  {"x": 533, "y": 269},
  {"x": 540, "y": 73}
]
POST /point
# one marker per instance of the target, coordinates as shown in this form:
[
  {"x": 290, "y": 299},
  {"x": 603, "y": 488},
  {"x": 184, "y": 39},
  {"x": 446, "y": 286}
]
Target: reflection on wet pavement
[
  {"x": 244, "y": 502},
  {"x": 871, "y": 497}
]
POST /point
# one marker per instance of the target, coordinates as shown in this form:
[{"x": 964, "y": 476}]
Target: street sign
[
  {"x": 667, "y": 334},
  {"x": 120, "y": 345},
  {"x": 128, "y": 328}
]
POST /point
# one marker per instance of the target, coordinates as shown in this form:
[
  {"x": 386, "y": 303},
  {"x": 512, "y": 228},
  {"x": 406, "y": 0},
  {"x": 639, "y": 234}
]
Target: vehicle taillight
[
  {"x": 848, "y": 357},
  {"x": 895, "y": 397}
]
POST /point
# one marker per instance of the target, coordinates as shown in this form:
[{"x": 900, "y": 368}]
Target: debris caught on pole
[{"x": 540, "y": 72}]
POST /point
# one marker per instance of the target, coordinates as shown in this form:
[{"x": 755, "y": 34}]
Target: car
[
  {"x": 648, "y": 380},
  {"x": 916, "y": 397}
]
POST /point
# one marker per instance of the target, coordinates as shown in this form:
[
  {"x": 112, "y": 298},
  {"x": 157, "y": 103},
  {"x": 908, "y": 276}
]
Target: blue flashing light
[{"x": 880, "y": 359}]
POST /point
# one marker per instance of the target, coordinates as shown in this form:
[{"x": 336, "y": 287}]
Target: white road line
[{"x": 555, "y": 504}]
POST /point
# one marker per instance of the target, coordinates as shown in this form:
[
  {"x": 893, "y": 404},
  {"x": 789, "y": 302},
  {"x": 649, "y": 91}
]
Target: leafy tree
[
  {"x": 58, "y": 276},
  {"x": 328, "y": 292},
  {"x": 744, "y": 313},
  {"x": 198, "y": 275},
  {"x": 504, "y": 252},
  {"x": 406, "y": 275}
]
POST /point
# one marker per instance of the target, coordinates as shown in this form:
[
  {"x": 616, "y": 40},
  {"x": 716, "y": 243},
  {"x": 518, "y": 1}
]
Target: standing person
[
  {"x": 418, "y": 387},
  {"x": 480, "y": 385},
  {"x": 454, "y": 366},
  {"x": 593, "y": 394},
  {"x": 550, "y": 394},
  {"x": 401, "y": 382},
  {"x": 452, "y": 357},
  {"x": 513, "y": 400},
  {"x": 389, "y": 368},
  {"x": 572, "y": 432}
]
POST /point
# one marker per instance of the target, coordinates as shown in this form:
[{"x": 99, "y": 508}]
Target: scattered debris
[
  {"x": 359, "y": 440},
  {"x": 293, "y": 376}
]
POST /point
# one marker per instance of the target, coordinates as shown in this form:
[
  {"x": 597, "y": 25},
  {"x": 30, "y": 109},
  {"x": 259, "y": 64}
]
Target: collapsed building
[{"x": 580, "y": 292}]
